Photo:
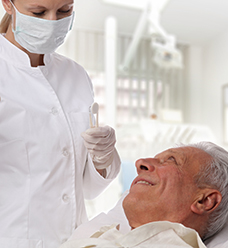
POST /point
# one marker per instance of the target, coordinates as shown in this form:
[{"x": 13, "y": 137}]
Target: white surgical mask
[{"x": 39, "y": 35}]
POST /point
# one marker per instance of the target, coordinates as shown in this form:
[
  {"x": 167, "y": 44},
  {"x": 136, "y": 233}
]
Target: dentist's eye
[
  {"x": 38, "y": 13},
  {"x": 64, "y": 11}
]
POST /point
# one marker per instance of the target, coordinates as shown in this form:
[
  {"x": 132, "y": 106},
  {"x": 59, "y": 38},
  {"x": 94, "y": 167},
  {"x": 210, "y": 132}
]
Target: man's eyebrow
[
  {"x": 166, "y": 152},
  {"x": 172, "y": 150},
  {"x": 175, "y": 151}
]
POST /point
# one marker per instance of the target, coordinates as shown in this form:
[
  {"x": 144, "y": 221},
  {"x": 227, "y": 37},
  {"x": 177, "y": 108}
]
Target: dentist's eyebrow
[
  {"x": 36, "y": 7},
  {"x": 68, "y": 5}
]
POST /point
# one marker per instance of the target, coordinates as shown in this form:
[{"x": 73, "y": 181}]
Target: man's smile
[{"x": 143, "y": 182}]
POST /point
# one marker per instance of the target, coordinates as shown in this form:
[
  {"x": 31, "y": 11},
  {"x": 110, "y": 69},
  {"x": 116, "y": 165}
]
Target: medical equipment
[
  {"x": 93, "y": 110},
  {"x": 99, "y": 141},
  {"x": 165, "y": 53}
]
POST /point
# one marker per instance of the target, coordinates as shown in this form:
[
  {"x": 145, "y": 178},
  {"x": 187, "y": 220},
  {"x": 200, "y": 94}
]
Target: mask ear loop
[
  {"x": 12, "y": 17},
  {"x": 72, "y": 20}
]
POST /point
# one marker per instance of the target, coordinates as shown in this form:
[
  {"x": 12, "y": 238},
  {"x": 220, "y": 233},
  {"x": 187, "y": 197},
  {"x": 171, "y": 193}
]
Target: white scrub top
[{"x": 45, "y": 170}]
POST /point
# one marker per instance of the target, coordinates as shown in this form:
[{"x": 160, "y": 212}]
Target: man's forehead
[
  {"x": 186, "y": 152},
  {"x": 176, "y": 150},
  {"x": 183, "y": 151}
]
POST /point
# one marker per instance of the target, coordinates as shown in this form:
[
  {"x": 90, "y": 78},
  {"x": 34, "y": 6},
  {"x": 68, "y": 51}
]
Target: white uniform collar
[{"x": 14, "y": 55}]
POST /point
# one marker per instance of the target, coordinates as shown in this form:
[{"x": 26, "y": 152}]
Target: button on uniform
[
  {"x": 65, "y": 152},
  {"x": 66, "y": 198},
  {"x": 54, "y": 111}
]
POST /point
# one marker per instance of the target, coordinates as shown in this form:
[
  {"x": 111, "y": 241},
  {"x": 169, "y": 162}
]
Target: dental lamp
[{"x": 165, "y": 53}]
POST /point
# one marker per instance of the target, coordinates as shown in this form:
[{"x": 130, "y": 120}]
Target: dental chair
[{"x": 219, "y": 240}]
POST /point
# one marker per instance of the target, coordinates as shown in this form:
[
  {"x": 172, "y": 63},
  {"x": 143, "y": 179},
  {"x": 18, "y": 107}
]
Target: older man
[{"x": 178, "y": 199}]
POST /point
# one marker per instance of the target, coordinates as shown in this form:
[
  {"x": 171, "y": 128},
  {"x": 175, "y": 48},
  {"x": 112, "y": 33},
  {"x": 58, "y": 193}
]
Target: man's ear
[
  {"x": 7, "y": 6},
  {"x": 207, "y": 201}
]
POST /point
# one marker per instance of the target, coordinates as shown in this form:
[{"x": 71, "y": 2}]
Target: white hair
[{"x": 215, "y": 175}]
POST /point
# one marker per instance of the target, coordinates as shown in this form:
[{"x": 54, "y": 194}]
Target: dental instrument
[{"x": 93, "y": 110}]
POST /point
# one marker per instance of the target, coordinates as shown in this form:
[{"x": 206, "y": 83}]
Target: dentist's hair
[
  {"x": 5, "y": 22},
  {"x": 215, "y": 175}
]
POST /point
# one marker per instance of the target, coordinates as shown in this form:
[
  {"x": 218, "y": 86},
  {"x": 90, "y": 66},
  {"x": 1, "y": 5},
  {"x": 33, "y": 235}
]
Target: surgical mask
[{"x": 39, "y": 35}]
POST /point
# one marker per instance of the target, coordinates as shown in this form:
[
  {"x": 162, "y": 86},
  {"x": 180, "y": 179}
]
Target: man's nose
[{"x": 146, "y": 164}]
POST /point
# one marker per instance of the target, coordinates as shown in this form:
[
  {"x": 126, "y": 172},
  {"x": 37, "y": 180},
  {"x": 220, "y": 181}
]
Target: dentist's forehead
[{"x": 46, "y": 2}]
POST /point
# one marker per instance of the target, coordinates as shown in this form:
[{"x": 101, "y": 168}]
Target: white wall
[
  {"x": 2, "y": 11},
  {"x": 207, "y": 71},
  {"x": 192, "y": 89},
  {"x": 215, "y": 75}
]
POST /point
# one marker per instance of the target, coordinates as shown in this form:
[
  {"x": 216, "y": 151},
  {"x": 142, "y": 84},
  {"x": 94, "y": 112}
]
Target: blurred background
[{"x": 160, "y": 74}]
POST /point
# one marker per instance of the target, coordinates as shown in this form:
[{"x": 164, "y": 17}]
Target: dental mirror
[{"x": 94, "y": 110}]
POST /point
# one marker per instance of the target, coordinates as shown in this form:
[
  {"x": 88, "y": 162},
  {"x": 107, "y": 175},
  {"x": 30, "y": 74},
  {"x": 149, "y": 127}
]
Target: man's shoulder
[
  {"x": 160, "y": 234},
  {"x": 164, "y": 234}
]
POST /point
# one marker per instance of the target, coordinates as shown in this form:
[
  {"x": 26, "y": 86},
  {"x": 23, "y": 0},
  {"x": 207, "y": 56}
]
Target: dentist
[{"x": 47, "y": 167}]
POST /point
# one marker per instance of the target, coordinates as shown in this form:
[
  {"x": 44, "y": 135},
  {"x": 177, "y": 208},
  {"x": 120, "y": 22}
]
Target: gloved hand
[{"x": 100, "y": 142}]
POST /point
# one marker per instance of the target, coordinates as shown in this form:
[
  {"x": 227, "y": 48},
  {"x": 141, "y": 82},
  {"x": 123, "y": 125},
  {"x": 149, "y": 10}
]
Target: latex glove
[{"x": 100, "y": 142}]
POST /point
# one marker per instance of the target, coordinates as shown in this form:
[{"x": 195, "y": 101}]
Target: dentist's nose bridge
[{"x": 52, "y": 16}]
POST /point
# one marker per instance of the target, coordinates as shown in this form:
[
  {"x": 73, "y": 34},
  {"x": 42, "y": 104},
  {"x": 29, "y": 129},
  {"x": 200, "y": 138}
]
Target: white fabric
[
  {"x": 44, "y": 164},
  {"x": 115, "y": 215},
  {"x": 161, "y": 234}
]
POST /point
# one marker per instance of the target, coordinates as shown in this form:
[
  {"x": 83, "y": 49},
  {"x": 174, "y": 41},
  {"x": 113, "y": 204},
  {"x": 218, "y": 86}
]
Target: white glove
[{"x": 100, "y": 142}]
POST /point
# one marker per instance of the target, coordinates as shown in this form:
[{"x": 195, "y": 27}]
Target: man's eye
[{"x": 173, "y": 159}]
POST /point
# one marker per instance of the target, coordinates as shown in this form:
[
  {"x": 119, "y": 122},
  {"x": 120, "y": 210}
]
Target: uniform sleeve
[{"x": 93, "y": 182}]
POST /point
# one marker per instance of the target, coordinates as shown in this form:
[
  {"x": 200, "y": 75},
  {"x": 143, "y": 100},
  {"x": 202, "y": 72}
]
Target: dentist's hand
[{"x": 100, "y": 142}]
